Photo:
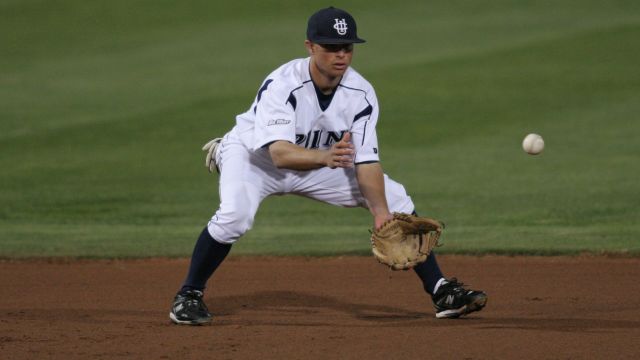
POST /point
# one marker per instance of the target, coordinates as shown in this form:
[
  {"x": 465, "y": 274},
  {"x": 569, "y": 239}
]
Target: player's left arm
[
  {"x": 368, "y": 169},
  {"x": 371, "y": 184}
]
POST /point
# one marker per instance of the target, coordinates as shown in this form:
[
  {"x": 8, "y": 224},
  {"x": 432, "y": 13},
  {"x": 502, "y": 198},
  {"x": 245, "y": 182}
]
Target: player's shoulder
[
  {"x": 290, "y": 75},
  {"x": 355, "y": 85},
  {"x": 354, "y": 81}
]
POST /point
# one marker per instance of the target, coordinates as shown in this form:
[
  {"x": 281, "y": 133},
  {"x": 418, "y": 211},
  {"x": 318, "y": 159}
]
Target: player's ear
[{"x": 309, "y": 45}]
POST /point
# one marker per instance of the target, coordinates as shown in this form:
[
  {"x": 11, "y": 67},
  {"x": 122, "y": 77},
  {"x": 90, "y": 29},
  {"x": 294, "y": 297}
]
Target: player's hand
[
  {"x": 211, "y": 148},
  {"x": 378, "y": 220},
  {"x": 341, "y": 153}
]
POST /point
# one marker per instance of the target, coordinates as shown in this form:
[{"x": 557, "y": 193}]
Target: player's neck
[{"x": 327, "y": 84}]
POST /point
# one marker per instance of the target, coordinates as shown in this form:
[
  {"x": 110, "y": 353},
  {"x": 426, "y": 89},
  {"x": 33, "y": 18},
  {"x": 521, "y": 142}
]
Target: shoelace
[
  {"x": 194, "y": 300},
  {"x": 191, "y": 303},
  {"x": 455, "y": 285}
]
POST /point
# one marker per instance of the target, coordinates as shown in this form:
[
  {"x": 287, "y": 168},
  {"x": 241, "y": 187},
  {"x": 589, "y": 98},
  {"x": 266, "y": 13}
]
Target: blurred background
[{"x": 104, "y": 106}]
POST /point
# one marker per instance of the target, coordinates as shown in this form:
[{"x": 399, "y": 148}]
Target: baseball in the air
[{"x": 533, "y": 144}]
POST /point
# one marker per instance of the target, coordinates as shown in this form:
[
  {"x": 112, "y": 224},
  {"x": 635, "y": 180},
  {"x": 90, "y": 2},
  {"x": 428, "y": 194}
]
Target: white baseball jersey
[{"x": 289, "y": 107}]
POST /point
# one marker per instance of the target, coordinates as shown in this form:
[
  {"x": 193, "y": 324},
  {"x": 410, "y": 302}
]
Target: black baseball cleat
[
  {"x": 452, "y": 300},
  {"x": 189, "y": 309}
]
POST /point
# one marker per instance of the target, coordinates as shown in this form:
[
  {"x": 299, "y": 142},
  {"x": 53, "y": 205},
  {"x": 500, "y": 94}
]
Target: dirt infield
[{"x": 350, "y": 307}]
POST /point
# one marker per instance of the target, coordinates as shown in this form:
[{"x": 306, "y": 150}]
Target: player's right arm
[{"x": 286, "y": 155}]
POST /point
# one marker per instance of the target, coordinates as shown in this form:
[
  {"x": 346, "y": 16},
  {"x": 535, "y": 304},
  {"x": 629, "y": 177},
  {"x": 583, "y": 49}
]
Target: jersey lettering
[
  {"x": 313, "y": 139},
  {"x": 315, "y": 143},
  {"x": 333, "y": 137}
]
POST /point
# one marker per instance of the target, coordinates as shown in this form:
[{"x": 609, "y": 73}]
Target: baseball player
[{"x": 310, "y": 131}]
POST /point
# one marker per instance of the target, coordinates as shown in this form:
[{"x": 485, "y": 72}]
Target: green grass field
[{"x": 104, "y": 106}]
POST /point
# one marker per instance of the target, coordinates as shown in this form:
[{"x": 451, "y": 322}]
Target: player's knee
[
  {"x": 240, "y": 226},
  {"x": 228, "y": 227}
]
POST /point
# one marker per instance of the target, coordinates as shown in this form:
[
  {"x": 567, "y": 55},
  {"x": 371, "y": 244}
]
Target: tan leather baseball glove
[{"x": 405, "y": 241}]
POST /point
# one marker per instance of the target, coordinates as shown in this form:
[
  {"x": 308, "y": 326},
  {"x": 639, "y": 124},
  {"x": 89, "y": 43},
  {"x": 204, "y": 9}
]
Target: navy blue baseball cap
[{"x": 332, "y": 26}]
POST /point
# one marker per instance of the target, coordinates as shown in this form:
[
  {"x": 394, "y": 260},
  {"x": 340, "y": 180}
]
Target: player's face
[{"x": 332, "y": 60}]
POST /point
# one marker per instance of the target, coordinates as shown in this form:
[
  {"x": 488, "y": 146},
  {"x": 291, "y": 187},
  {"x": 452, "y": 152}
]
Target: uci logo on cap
[{"x": 340, "y": 26}]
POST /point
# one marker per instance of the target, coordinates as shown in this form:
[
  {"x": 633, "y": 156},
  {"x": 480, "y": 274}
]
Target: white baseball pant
[{"x": 247, "y": 177}]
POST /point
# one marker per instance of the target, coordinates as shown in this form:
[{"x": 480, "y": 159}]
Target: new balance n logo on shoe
[{"x": 449, "y": 300}]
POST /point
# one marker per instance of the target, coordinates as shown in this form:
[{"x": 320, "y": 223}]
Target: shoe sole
[
  {"x": 476, "y": 305},
  {"x": 189, "y": 322}
]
